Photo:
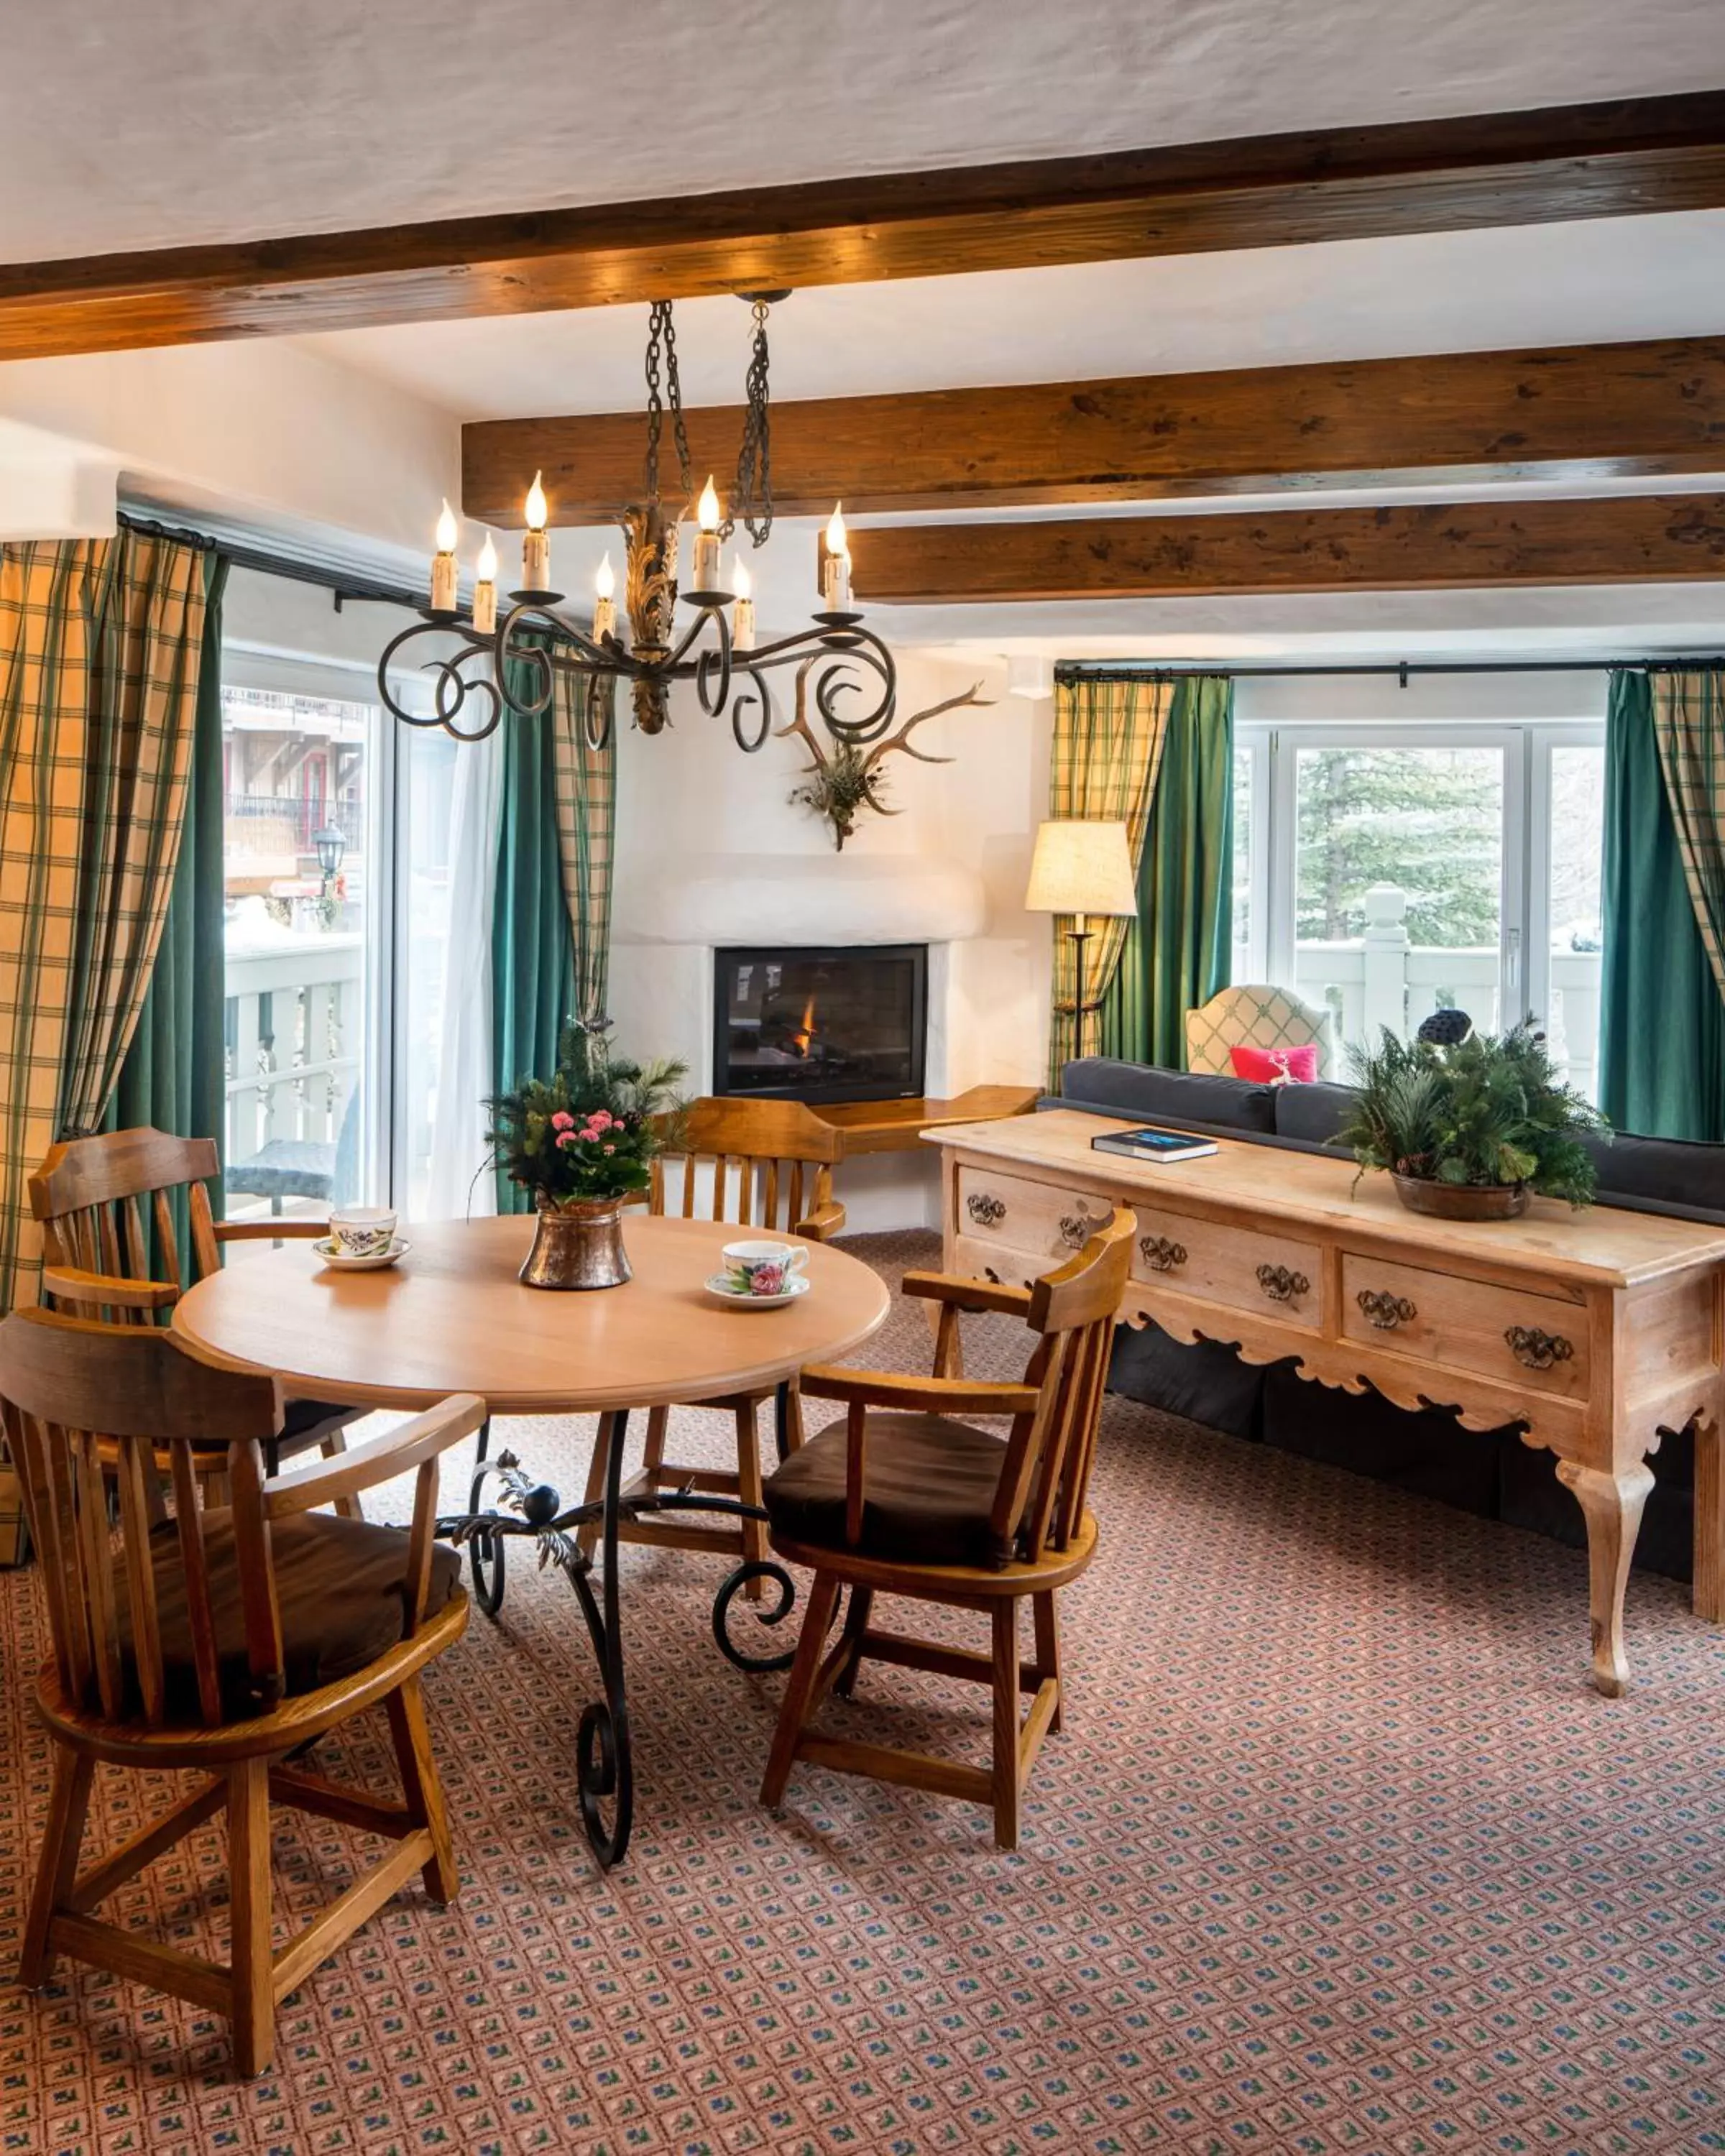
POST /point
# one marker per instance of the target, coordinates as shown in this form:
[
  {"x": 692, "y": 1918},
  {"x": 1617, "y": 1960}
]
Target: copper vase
[{"x": 577, "y": 1245}]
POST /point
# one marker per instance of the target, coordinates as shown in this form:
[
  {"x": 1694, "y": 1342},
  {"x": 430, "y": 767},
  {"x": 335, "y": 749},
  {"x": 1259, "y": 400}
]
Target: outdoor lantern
[{"x": 331, "y": 845}]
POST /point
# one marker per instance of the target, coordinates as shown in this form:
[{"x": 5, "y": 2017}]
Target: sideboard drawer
[
  {"x": 1040, "y": 1219},
  {"x": 1039, "y": 1225},
  {"x": 1508, "y": 1333},
  {"x": 1273, "y": 1274}
]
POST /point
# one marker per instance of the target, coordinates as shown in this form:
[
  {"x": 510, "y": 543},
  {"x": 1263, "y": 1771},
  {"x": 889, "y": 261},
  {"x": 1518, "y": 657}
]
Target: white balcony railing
[
  {"x": 1381, "y": 979},
  {"x": 295, "y": 1028}
]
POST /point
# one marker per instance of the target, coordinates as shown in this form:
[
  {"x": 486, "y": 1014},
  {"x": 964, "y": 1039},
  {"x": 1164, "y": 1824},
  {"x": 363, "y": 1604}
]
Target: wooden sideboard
[{"x": 1599, "y": 1331}]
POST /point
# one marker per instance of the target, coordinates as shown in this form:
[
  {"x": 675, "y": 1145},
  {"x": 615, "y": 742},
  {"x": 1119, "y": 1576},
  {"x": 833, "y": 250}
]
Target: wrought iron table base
[{"x": 605, "y": 1766}]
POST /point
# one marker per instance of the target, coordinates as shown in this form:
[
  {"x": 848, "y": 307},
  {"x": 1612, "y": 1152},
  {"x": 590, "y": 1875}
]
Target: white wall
[{"x": 691, "y": 792}]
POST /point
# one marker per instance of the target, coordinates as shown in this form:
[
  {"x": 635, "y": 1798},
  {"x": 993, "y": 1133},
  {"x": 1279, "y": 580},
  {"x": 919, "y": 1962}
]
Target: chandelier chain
[
  {"x": 662, "y": 351},
  {"x": 754, "y": 460}
]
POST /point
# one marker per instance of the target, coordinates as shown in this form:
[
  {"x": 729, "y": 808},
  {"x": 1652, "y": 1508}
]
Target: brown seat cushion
[
  {"x": 928, "y": 1487},
  {"x": 340, "y": 1587}
]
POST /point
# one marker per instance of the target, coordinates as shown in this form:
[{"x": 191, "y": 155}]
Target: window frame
[{"x": 1272, "y": 748}]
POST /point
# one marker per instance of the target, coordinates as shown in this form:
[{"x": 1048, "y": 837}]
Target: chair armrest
[
  {"x": 887, "y": 1389},
  {"x": 415, "y": 1442},
  {"x": 275, "y": 1230},
  {"x": 823, "y": 1224},
  {"x": 967, "y": 1294},
  {"x": 68, "y": 1284}
]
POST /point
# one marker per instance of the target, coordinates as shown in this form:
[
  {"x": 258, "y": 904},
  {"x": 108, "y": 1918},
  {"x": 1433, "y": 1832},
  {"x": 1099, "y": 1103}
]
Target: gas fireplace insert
[{"x": 846, "y": 1023}]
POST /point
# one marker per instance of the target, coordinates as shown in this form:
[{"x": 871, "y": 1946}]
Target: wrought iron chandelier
[{"x": 512, "y": 660}]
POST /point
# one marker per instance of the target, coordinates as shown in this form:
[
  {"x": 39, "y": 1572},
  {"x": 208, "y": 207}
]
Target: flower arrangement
[{"x": 589, "y": 1132}]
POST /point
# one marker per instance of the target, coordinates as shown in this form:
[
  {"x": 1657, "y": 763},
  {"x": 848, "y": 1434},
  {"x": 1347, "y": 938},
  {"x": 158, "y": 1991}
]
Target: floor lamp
[{"x": 1082, "y": 867}]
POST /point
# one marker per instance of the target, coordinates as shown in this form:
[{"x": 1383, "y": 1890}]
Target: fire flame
[{"x": 802, "y": 1039}]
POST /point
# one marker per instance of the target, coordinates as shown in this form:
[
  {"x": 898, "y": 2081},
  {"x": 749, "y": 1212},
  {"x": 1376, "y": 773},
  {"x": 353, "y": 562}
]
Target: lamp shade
[{"x": 1082, "y": 867}]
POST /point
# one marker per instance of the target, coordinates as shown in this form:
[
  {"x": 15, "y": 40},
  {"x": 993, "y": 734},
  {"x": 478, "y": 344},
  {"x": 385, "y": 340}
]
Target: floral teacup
[
  {"x": 763, "y": 1268},
  {"x": 362, "y": 1231}
]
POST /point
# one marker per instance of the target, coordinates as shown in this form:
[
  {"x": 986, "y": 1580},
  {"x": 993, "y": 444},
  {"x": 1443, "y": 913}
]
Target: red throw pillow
[{"x": 1276, "y": 1067}]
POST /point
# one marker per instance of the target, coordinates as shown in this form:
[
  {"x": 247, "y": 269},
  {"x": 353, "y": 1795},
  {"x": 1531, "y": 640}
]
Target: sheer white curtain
[{"x": 464, "y": 1048}]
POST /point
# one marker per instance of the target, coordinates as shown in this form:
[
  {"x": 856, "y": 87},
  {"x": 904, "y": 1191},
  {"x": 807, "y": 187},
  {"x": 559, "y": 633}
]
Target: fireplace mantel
[{"x": 708, "y": 899}]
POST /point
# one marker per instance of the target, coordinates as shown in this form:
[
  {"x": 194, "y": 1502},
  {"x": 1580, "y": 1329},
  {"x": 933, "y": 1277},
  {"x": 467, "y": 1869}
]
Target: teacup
[
  {"x": 763, "y": 1268},
  {"x": 362, "y": 1231}
]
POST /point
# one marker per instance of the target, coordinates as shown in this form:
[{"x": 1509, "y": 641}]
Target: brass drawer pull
[
  {"x": 1280, "y": 1284},
  {"x": 1076, "y": 1229},
  {"x": 1538, "y": 1350},
  {"x": 1160, "y": 1254},
  {"x": 986, "y": 1211},
  {"x": 1384, "y": 1310}
]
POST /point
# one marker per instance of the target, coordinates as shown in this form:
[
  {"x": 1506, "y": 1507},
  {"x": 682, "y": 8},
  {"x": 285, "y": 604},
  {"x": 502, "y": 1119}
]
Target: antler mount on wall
[{"x": 845, "y": 778}]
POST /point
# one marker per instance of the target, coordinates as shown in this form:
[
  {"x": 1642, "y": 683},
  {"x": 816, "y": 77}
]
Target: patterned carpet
[{"x": 1338, "y": 1852}]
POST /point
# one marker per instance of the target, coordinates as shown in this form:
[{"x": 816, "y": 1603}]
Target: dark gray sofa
[{"x": 1490, "y": 1472}]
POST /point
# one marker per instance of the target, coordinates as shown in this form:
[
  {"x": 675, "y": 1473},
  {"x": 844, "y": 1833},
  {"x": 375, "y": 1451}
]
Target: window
[
  {"x": 1389, "y": 871},
  {"x": 302, "y": 847}
]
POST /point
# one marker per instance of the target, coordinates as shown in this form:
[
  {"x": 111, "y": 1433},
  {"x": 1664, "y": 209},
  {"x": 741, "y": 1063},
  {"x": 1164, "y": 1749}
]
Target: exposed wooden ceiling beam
[
  {"x": 1583, "y": 413},
  {"x": 1626, "y": 157},
  {"x": 1619, "y": 539}
]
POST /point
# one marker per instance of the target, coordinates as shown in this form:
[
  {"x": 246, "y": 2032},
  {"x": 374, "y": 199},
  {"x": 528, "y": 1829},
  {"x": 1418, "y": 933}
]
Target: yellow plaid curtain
[
  {"x": 46, "y": 601},
  {"x": 100, "y": 657},
  {"x": 1689, "y": 726},
  {"x": 584, "y": 782},
  {"x": 1107, "y": 744},
  {"x": 146, "y": 655}
]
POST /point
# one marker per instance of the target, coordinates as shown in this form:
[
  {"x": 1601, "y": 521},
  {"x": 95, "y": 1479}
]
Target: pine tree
[{"x": 1429, "y": 820}]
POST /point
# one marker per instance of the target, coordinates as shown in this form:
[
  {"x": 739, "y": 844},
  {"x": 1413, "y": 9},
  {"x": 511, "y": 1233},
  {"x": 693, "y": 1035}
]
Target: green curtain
[
  {"x": 532, "y": 947},
  {"x": 1176, "y": 953},
  {"x": 174, "y": 1072},
  {"x": 1661, "y": 1017}
]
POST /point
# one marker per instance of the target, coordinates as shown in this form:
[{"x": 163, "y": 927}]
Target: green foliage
[
  {"x": 1488, "y": 1111},
  {"x": 591, "y": 1129},
  {"x": 1429, "y": 820},
  {"x": 843, "y": 786}
]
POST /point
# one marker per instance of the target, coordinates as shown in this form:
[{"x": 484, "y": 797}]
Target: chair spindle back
[
  {"x": 1040, "y": 1503},
  {"x": 82, "y": 1401},
  {"x": 770, "y": 1165},
  {"x": 90, "y": 1196}
]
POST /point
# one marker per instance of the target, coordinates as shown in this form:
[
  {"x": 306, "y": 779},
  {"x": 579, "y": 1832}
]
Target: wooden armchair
[
  {"x": 901, "y": 1498},
  {"x": 90, "y": 1196},
  {"x": 219, "y": 1641},
  {"x": 766, "y": 1166}
]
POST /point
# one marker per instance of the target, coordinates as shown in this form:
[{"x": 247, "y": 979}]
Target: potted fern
[{"x": 1470, "y": 1132}]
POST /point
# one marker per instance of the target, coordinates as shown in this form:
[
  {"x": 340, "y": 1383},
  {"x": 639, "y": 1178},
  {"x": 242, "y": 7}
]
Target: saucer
[
  {"x": 339, "y": 1262},
  {"x": 716, "y": 1288}
]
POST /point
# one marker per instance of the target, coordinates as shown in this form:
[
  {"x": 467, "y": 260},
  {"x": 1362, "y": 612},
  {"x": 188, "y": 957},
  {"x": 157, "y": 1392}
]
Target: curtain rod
[
  {"x": 1399, "y": 669},
  {"x": 343, "y": 586}
]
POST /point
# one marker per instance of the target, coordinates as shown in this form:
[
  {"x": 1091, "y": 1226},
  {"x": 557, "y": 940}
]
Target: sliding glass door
[{"x": 1384, "y": 872}]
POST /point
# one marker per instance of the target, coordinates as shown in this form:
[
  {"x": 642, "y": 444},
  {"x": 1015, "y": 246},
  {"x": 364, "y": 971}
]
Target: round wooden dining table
[{"x": 451, "y": 1316}]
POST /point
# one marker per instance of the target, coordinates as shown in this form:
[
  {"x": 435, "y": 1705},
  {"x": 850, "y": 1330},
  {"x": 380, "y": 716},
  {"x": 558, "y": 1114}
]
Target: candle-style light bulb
[
  {"x": 445, "y": 571},
  {"x": 604, "y": 612},
  {"x": 706, "y": 539},
  {"x": 536, "y": 547},
  {"x": 484, "y": 589},
  {"x": 742, "y": 626},
  {"x": 836, "y": 582}
]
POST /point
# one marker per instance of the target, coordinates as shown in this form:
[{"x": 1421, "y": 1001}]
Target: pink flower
[
  {"x": 565, "y": 1139},
  {"x": 601, "y": 1119},
  {"x": 767, "y": 1280},
  {"x": 610, "y": 1148},
  {"x": 562, "y": 1121}
]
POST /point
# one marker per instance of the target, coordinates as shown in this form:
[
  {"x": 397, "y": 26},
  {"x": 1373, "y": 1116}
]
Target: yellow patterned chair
[{"x": 1255, "y": 1016}]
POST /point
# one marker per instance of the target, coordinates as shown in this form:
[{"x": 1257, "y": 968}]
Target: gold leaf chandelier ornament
[{"x": 510, "y": 658}]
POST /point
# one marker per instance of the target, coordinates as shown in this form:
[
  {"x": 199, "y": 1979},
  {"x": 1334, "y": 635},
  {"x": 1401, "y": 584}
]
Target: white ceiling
[
  {"x": 1567, "y": 284},
  {"x": 151, "y": 123}
]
